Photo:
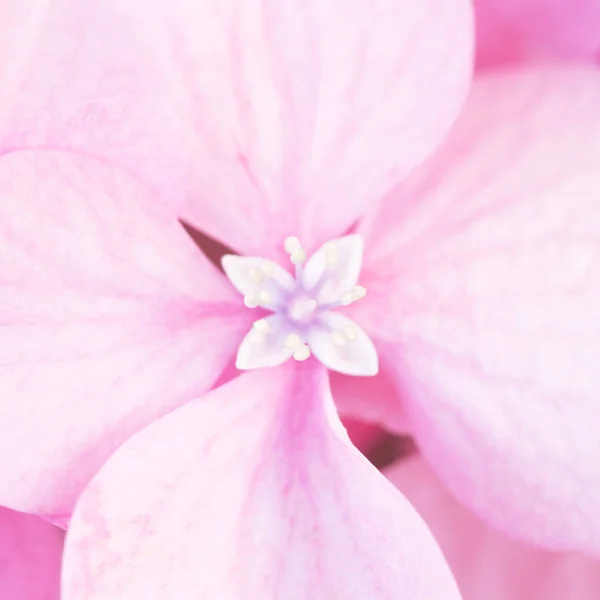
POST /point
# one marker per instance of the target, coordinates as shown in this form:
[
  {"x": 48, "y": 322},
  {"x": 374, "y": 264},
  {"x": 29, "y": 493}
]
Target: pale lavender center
[{"x": 301, "y": 309}]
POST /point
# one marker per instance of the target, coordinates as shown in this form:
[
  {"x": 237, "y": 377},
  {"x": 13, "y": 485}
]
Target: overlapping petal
[
  {"x": 372, "y": 399},
  {"x": 269, "y": 118},
  {"x": 109, "y": 318},
  {"x": 253, "y": 491},
  {"x": 487, "y": 564},
  {"x": 513, "y": 31},
  {"x": 484, "y": 281},
  {"x": 30, "y": 555}
]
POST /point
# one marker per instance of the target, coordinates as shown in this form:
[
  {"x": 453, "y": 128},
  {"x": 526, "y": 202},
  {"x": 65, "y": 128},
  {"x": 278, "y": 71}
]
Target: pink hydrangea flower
[
  {"x": 487, "y": 564},
  {"x": 30, "y": 554},
  {"x": 483, "y": 271},
  {"x": 252, "y": 121},
  {"x": 511, "y": 31},
  {"x": 257, "y": 121}
]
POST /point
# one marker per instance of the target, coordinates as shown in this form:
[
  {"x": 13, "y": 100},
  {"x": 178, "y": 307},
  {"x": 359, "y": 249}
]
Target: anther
[
  {"x": 265, "y": 297},
  {"x": 294, "y": 249},
  {"x": 251, "y": 300},
  {"x": 359, "y": 292},
  {"x": 302, "y": 353},
  {"x": 352, "y": 295},
  {"x": 293, "y": 342},
  {"x": 261, "y": 325},
  {"x": 291, "y": 244}
]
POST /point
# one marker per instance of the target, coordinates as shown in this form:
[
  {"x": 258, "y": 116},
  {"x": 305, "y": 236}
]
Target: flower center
[
  {"x": 304, "y": 320},
  {"x": 301, "y": 309}
]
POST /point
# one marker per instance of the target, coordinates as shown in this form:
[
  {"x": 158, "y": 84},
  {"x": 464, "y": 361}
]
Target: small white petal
[
  {"x": 250, "y": 277},
  {"x": 337, "y": 338},
  {"x": 337, "y": 265},
  {"x": 256, "y": 275},
  {"x": 351, "y": 333},
  {"x": 267, "y": 268},
  {"x": 332, "y": 254},
  {"x": 356, "y": 293},
  {"x": 356, "y": 357},
  {"x": 264, "y": 345}
]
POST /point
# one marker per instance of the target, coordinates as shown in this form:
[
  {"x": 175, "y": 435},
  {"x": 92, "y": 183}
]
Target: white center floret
[{"x": 304, "y": 319}]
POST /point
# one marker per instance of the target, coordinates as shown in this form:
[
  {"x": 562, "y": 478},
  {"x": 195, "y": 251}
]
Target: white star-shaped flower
[{"x": 304, "y": 320}]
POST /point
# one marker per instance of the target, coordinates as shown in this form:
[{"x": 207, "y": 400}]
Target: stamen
[
  {"x": 355, "y": 293},
  {"x": 293, "y": 341},
  {"x": 302, "y": 308},
  {"x": 293, "y": 247},
  {"x": 291, "y": 244},
  {"x": 265, "y": 297},
  {"x": 359, "y": 291},
  {"x": 302, "y": 353},
  {"x": 261, "y": 325},
  {"x": 251, "y": 300}
]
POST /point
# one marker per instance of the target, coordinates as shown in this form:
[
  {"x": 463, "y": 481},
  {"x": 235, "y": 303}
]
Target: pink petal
[
  {"x": 365, "y": 436},
  {"x": 484, "y": 279},
  {"x": 251, "y": 492},
  {"x": 30, "y": 555},
  {"x": 110, "y": 317},
  {"x": 271, "y": 118},
  {"x": 487, "y": 564},
  {"x": 510, "y": 31}
]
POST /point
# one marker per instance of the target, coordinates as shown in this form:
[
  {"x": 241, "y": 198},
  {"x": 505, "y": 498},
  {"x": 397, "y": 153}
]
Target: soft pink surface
[
  {"x": 108, "y": 319},
  {"x": 30, "y": 554},
  {"x": 263, "y": 118},
  {"x": 365, "y": 436},
  {"x": 484, "y": 284},
  {"x": 488, "y": 565},
  {"x": 253, "y": 491},
  {"x": 510, "y": 31},
  {"x": 373, "y": 399},
  {"x": 261, "y": 114}
]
